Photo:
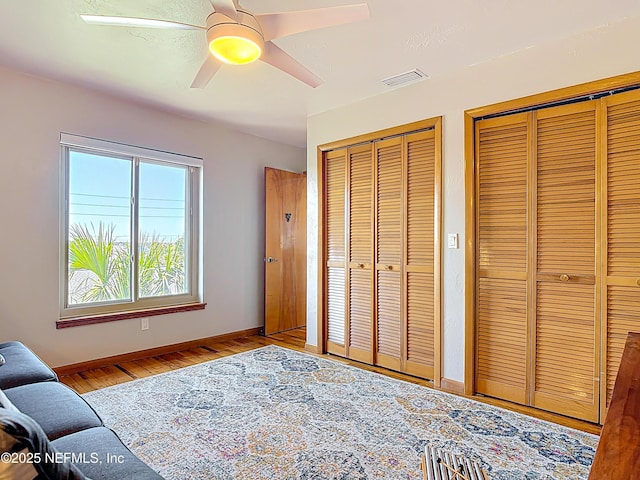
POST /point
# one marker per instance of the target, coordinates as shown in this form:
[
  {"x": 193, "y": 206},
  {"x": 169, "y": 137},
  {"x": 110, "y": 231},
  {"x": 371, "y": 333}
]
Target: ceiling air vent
[{"x": 404, "y": 78}]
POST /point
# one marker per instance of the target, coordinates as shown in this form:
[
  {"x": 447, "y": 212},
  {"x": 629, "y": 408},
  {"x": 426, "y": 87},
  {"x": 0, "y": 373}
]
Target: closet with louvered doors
[
  {"x": 537, "y": 326},
  {"x": 380, "y": 212},
  {"x": 620, "y": 309},
  {"x": 558, "y": 252}
]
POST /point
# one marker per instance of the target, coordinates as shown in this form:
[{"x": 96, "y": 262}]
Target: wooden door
[
  {"x": 285, "y": 280},
  {"x": 388, "y": 155},
  {"x": 335, "y": 173},
  {"x": 421, "y": 296},
  {"x": 502, "y": 160},
  {"x": 360, "y": 265},
  {"x": 565, "y": 325},
  {"x": 621, "y": 235}
]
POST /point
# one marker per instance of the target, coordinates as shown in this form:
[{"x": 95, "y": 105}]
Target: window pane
[
  {"x": 162, "y": 229},
  {"x": 99, "y": 228}
]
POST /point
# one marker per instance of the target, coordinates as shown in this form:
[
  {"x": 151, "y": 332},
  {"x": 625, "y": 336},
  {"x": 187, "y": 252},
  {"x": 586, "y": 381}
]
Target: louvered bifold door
[
  {"x": 566, "y": 328},
  {"x": 621, "y": 309},
  {"x": 360, "y": 262},
  {"x": 335, "y": 169},
  {"x": 388, "y": 156},
  {"x": 502, "y": 146},
  {"x": 419, "y": 253}
]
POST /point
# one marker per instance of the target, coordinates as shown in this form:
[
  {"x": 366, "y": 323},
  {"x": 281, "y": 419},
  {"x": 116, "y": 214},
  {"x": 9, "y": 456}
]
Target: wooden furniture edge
[
  {"x": 451, "y": 386},
  {"x": 618, "y": 454},
  {"x": 152, "y": 352},
  {"x": 114, "y": 317}
]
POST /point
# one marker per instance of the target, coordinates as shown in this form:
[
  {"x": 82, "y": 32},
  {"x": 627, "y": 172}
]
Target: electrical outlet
[{"x": 144, "y": 323}]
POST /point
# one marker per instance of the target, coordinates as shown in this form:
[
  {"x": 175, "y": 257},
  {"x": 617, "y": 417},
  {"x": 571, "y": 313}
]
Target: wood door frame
[
  {"x": 431, "y": 123},
  {"x": 471, "y": 252}
]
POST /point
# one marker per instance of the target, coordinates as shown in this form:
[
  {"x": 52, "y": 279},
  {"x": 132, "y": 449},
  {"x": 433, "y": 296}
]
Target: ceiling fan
[{"x": 236, "y": 36}]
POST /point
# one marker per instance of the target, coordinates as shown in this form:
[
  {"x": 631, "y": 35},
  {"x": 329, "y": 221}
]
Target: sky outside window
[{"x": 100, "y": 191}]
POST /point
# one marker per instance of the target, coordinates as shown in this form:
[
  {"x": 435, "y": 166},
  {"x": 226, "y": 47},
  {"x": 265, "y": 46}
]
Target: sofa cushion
[
  {"x": 23, "y": 437},
  {"x": 114, "y": 460},
  {"x": 22, "y": 366},
  {"x": 6, "y": 403},
  {"x": 58, "y": 409}
]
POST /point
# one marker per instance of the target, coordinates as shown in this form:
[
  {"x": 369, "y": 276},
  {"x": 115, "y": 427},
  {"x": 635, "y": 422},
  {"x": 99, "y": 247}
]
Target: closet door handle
[
  {"x": 361, "y": 265},
  {"x": 638, "y": 282},
  {"x": 564, "y": 277},
  {"x": 389, "y": 267}
]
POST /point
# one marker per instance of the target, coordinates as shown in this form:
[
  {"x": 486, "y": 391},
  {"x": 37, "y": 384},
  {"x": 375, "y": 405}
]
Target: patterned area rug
[{"x": 276, "y": 414}]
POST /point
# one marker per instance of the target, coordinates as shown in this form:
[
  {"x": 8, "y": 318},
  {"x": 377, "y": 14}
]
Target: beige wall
[
  {"x": 597, "y": 54},
  {"x": 33, "y": 112}
]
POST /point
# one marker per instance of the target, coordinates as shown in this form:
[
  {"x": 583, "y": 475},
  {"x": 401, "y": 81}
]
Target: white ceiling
[{"x": 48, "y": 38}]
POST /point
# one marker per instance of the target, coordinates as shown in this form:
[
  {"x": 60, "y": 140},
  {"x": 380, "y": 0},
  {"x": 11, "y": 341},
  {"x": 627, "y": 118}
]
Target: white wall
[
  {"x": 33, "y": 112},
  {"x": 601, "y": 53}
]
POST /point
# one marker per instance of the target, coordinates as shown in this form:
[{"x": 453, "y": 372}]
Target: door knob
[
  {"x": 270, "y": 260},
  {"x": 564, "y": 277}
]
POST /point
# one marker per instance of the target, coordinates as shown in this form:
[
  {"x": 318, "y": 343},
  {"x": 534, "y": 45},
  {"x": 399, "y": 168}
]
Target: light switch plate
[{"x": 452, "y": 240}]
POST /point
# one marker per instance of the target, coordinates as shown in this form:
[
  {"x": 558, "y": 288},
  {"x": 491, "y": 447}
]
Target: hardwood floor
[{"x": 93, "y": 379}]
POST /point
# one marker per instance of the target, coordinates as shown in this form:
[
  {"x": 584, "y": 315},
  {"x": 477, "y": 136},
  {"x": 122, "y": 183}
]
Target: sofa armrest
[{"x": 22, "y": 366}]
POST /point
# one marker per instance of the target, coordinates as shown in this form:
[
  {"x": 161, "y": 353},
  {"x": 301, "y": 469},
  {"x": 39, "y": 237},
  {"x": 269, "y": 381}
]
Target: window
[{"x": 129, "y": 231}]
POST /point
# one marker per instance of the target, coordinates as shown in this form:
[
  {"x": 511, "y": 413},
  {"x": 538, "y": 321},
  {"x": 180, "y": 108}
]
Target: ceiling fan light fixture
[
  {"x": 235, "y": 43},
  {"x": 235, "y": 50}
]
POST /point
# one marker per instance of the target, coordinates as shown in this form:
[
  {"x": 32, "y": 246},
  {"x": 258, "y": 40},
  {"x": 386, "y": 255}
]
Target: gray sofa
[{"x": 47, "y": 431}]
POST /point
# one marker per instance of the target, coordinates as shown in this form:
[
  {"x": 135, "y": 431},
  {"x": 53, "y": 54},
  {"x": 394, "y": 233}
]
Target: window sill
[{"x": 114, "y": 317}]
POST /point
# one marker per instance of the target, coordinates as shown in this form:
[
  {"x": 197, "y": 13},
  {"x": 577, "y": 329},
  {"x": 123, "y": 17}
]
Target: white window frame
[{"x": 68, "y": 143}]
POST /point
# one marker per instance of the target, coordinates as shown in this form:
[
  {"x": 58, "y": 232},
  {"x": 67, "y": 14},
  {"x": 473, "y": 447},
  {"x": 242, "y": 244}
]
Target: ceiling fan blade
[
  {"x": 276, "y": 25},
  {"x": 206, "y": 72},
  {"x": 274, "y": 55},
  {"x": 226, "y": 7},
  {"x": 137, "y": 22}
]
